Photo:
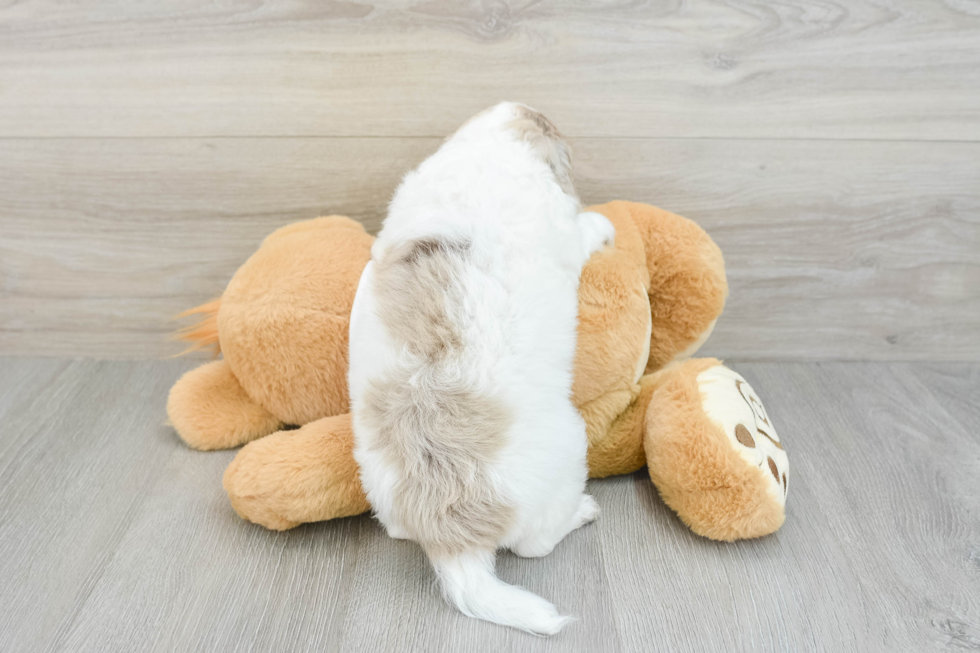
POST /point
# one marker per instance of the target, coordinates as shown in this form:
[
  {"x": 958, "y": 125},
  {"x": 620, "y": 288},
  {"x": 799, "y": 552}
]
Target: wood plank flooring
[{"x": 115, "y": 537}]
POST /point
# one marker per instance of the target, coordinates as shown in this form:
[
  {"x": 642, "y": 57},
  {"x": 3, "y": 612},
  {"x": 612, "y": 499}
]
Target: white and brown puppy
[{"x": 462, "y": 339}]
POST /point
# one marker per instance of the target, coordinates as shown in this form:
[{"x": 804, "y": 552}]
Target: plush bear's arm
[
  {"x": 687, "y": 285},
  {"x": 209, "y": 409},
  {"x": 292, "y": 477}
]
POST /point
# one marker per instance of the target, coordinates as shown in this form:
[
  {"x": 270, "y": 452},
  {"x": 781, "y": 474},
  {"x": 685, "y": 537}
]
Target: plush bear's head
[{"x": 284, "y": 318}]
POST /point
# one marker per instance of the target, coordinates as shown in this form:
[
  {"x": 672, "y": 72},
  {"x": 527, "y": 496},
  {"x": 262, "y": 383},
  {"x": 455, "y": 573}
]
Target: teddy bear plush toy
[{"x": 645, "y": 306}]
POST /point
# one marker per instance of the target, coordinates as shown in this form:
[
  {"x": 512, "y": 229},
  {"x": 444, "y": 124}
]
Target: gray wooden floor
[{"x": 115, "y": 537}]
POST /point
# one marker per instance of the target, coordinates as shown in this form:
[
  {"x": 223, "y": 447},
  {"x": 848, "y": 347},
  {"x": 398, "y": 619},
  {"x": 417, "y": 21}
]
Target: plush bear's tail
[{"x": 203, "y": 334}]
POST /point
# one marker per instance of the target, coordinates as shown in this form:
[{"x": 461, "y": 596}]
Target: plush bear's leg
[
  {"x": 713, "y": 453},
  {"x": 292, "y": 477},
  {"x": 614, "y": 423},
  {"x": 210, "y": 410}
]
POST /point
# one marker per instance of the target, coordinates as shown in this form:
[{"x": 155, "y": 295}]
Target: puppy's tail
[{"x": 468, "y": 582}]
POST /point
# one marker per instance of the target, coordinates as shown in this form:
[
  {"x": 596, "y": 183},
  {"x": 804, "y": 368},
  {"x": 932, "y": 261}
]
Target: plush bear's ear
[
  {"x": 713, "y": 452},
  {"x": 688, "y": 286}
]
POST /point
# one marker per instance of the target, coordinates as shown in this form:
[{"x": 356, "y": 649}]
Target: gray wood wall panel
[
  {"x": 116, "y": 537},
  {"x": 901, "y": 69},
  {"x": 830, "y": 148},
  {"x": 835, "y": 249}
]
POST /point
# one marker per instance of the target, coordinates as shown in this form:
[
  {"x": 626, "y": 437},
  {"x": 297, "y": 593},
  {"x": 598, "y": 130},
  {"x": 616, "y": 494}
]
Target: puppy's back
[{"x": 433, "y": 425}]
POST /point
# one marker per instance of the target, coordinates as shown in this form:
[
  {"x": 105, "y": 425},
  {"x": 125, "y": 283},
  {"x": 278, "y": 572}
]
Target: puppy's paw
[
  {"x": 597, "y": 232},
  {"x": 587, "y": 511},
  {"x": 397, "y": 533}
]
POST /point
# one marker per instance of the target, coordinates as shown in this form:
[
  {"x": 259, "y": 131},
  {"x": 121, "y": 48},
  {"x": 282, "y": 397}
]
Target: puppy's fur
[{"x": 461, "y": 349}]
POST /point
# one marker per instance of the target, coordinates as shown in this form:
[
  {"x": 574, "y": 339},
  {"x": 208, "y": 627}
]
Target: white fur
[{"x": 529, "y": 242}]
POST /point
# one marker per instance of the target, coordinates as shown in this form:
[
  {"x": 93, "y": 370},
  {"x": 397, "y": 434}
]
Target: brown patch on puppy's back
[
  {"x": 418, "y": 287},
  {"x": 443, "y": 444},
  {"x": 441, "y": 434},
  {"x": 533, "y": 128}
]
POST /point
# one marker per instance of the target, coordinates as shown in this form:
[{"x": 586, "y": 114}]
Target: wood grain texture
[
  {"x": 879, "y": 546},
  {"x": 81, "y": 445},
  {"x": 115, "y": 537},
  {"x": 956, "y": 387},
  {"x": 897, "y": 69},
  {"x": 834, "y": 249}
]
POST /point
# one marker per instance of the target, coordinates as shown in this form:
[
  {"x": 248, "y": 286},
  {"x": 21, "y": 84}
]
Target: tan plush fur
[
  {"x": 695, "y": 468},
  {"x": 292, "y": 477},
  {"x": 620, "y": 451},
  {"x": 210, "y": 410},
  {"x": 684, "y": 263},
  {"x": 285, "y": 314},
  {"x": 282, "y": 327},
  {"x": 203, "y": 334}
]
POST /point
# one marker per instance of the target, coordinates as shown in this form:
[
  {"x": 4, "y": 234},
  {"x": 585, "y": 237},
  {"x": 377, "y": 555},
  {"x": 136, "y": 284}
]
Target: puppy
[{"x": 462, "y": 339}]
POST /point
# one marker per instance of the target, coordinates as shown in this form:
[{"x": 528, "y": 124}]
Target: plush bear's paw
[{"x": 250, "y": 491}]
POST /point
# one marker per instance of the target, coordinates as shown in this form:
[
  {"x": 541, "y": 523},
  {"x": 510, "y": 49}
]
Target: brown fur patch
[
  {"x": 418, "y": 287},
  {"x": 443, "y": 444},
  {"x": 441, "y": 435},
  {"x": 533, "y": 128}
]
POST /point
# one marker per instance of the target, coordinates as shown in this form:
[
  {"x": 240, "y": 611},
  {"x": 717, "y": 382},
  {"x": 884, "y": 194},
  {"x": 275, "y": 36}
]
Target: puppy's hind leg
[
  {"x": 588, "y": 512},
  {"x": 541, "y": 542}
]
